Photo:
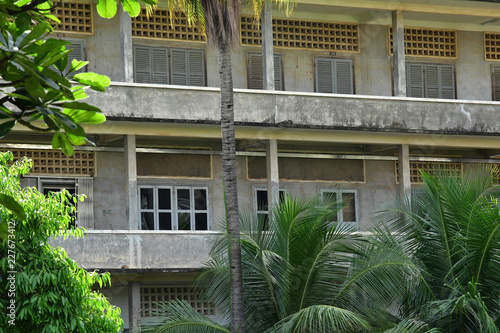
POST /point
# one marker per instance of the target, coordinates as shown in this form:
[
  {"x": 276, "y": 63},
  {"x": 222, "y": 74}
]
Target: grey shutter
[
  {"x": 78, "y": 53},
  {"x": 414, "y": 80},
  {"x": 255, "y": 71},
  {"x": 85, "y": 209},
  {"x": 447, "y": 81},
  {"x": 496, "y": 84},
  {"x": 178, "y": 61},
  {"x": 142, "y": 64},
  {"x": 343, "y": 76},
  {"x": 196, "y": 65},
  {"x": 432, "y": 89},
  {"x": 160, "y": 65},
  {"x": 324, "y": 75}
]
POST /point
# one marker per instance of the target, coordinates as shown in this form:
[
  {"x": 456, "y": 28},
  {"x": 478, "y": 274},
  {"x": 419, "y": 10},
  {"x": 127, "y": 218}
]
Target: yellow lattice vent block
[
  {"x": 425, "y": 42},
  {"x": 153, "y": 294},
  {"x": 302, "y": 34},
  {"x": 452, "y": 169},
  {"x": 74, "y": 17},
  {"x": 48, "y": 162},
  {"x": 492, "y": 46},
  {"x": 161, "y": 25}
]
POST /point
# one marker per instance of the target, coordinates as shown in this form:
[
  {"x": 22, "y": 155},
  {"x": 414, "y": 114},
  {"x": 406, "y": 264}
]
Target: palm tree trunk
[{"x": 230, "y": 182}]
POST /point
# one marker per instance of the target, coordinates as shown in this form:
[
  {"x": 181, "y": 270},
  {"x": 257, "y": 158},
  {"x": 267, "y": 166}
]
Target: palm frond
[{"x": 411, "y": 326}]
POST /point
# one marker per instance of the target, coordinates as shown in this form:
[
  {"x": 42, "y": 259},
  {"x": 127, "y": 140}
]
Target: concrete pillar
[
  {"x": 131, "y": 181},
  {"x": 404, "y": 170},
  {"x": 126, "y": 46},
  {"x": 134, "y": 305},
  {"x": 273, "y": 182},
  {"x": 267, "y": 47},
  {"x": 398, "y": 44}
]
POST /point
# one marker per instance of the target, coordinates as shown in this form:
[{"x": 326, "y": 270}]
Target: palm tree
[
  {"x": 293, "y": 267},
  {"x": 220, "y": 21},
  {"x": 436, "y": 257}
]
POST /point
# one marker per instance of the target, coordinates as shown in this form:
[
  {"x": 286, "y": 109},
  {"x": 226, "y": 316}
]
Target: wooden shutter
[
  {"x": 414, "y": 80},
  {"x": 78, "y": 53},
  {"x": 255, "y": 71},
  {"x": 160, "y": 65},
  {"x": 179, "y": 67},
  {"x": 196, "y": 68},
  {"x": 343, "y": 76},
  {"x": 447, "y": 81},
  {"x": 432, "y": 75},
  {"x": 85, "y": 209},
  {"x": 496, "y": 84},
  {"x": 324, "y": 75},
  {"x": 142, "y": 64}
]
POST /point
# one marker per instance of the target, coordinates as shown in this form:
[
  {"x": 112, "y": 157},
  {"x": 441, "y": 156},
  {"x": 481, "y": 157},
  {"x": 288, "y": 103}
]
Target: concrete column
[
  {"x": 404, "y": 170},
  {"x": 398, "y": 44},
  {"x": 131, "y": 181},
  {"x": 273, "y": 182},
  {"x": 126, "y": 51},
  {"x": 134, "y": 304},
  {"x": 267, "y": 47}
]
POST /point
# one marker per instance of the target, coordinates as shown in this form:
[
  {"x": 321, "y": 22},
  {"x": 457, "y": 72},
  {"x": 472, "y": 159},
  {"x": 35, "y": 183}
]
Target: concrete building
[{"x": 361, "y": 94}]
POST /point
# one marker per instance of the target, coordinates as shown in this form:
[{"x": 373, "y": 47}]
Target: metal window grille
[
  {"x": 161, "y": 24},
  {"x": 74, "y": 17},
  {"x": 425, "y": 42},
  {"x": 48, "y": 162},
  {"x": 153, "y": 294},
  {"x": 302, "y": 34},
  {"x": 492, "y": 46},
  {"x": 452, "y": 169}
]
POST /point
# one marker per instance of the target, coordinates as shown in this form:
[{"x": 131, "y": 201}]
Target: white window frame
[
  {"x": 340, "y": 213},
  {"x": 174, "y": 210},
  {"x": 257, "y": 188}
]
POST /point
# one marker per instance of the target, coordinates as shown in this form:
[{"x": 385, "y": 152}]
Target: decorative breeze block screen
[
  {"x": 153, "y": 294},
  {"x": 48, "y": 162},
  {"x": 301, "y": 34},
  {"x": 492, "y": 46},
  {"x": 161, "y": 25},
  {"x": 74, "y": 17},
  {"x": 424, "y": 42},
  {"x": 448, "y": 168}
]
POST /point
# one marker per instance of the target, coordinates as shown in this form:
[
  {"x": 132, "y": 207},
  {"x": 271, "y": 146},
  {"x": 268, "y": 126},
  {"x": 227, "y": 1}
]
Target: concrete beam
[
  {"x": 131, "y": 181},
  {"x": 126, "y": 48},
  {"x": 267, "y": 47},
  {"x": 398, "y": 59},
  {"x": 404, "y": 170},
  {"x": 273, "y": 182}
]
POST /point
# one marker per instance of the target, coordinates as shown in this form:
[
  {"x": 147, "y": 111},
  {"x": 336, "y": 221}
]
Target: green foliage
[{"x": 52, "y": 292}]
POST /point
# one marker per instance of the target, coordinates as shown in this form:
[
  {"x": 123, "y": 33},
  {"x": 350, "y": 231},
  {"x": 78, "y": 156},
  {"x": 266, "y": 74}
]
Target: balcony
[
  {"x": 133, "y": 249},
  {"x": 200, "y": 105}
]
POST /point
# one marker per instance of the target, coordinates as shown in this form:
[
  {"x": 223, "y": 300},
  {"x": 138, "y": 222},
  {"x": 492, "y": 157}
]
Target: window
[
  {"x": 349, "y": 214},
  {"x": 78, "y": 53},
  {"x": 334, "y": 76},
  {"x": 260, "y": 203},
  {"x": 174, "y": 208},
  {"x": 430, "y": 81},
  {"x": 496, "y": 83},
  {"x": 169, "y": 66},
  {"x": 255, "y": 74}
]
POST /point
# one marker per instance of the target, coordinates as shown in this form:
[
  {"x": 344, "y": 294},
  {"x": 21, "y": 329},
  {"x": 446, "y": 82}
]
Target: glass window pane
[
  {"x": 183, "y": 199},
  {"x": 349, "y": 211},
  {"x": 165, "y": 221},
  {"x": 164, "y": 201},
  {"x": 201, "y": 220},
  {"x": 261, "y": 199},
  {"x": 184, "y": 221},
  {"x": 147, "y": 221},
  {"x": 200, "y": 200},
  {"x": 146, "y": 198}
]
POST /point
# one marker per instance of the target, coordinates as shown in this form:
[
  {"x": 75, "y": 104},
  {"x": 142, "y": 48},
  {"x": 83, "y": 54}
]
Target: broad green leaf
[
  {"x": 78, "y": 106},
  {"x": 6, "y": 127},
  {"x": 77, "y": 64},
  {"x": 76, "y": 139},
  {"x": 50, "y": 123},
  {"x": 37, "y": 32},
  {"x": 95, "y": 81},
  {"x": 132, "y": 7},
  {"x": 11, "y": 204},
  {"x": 106, "y": 8}
]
